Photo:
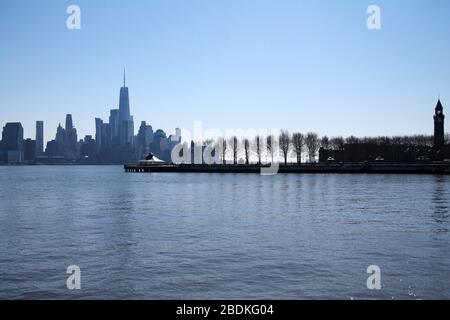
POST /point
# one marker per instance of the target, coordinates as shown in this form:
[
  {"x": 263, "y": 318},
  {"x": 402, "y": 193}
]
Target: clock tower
[{"x": 438, "y": 126}]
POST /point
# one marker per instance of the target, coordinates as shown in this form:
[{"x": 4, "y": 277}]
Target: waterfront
[{"x": 221, "y": 236}]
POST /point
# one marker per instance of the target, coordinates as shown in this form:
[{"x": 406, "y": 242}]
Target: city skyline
[
  {"x": 229, "y": 65},
  {"x": 123, "y": 114}
]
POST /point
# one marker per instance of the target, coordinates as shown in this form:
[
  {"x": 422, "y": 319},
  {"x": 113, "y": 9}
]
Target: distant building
[
  {"x": 115, "y": 141},
  {"x": 124, "y": 103},
  {"x": 114, "y": 123},
  {"x": 89, "y": 147},
  {"x": 98, "y": 132},
  {"x": 65, "y": 144},
  {"x": 158, "y": 144},
  {"x": 51, "y": 149},
  {"x": 61, "y": 140},
  {"x": 106, "y": 135},
  {"x": 440, "y": 151},
  {"x": 71, "y": 139},
  {"x": 39, "y": 137},
  {"x": 439, "y": 133},
  {"x": 126, "y": 124},
  {"x": 12, "y": 136},
  {"x": 144, "y": 139},
  {"x": 30, "y": 150},
  {"x": 126, "y": 133},
  {"x": 394, "y": 152},
  {"x": 12, "y": 142},
  {"x": 162, "y": 145}
]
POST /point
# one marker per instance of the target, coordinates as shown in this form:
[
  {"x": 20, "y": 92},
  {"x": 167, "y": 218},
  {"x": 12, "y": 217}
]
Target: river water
[{"x": 221, "y": 236}]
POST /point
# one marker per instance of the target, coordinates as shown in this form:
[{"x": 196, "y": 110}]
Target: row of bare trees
[
  {"x": 284, "y": 143},
  {"x": 299, "y": 144}
]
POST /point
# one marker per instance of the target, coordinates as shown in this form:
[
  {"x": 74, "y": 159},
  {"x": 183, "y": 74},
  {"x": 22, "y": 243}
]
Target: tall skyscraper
[
  {"x": 72, "y": 137},
  {"x": 69, "y": 123},
  {"x": 114, "y": 122},
  {"x": 106, "y": 135},
  {"x": 61, "y": 140},
  {"x": 126, "y": 133},
  {"x": 124, "y": 102},
  {"x": 98, "y": 132},
  {"x": 126, "y": 124},
  {"x": 39, "y": 137}
]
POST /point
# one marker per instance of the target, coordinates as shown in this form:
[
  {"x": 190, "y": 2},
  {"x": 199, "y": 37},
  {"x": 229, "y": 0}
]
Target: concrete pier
[{"x": 343, "y": 168}]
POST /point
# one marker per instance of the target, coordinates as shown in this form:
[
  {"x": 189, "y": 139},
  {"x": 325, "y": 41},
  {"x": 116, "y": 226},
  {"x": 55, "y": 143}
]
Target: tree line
[{"x": 299, "y": 144}]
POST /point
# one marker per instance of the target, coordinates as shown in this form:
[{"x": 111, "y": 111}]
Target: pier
[{"x": 315, "y": 168}]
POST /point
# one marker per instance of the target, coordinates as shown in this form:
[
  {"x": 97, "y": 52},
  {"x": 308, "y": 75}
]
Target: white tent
[{"x": 151, "y": 160}]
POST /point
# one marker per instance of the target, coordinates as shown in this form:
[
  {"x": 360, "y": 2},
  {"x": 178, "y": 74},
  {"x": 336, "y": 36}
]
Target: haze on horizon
[{"x": 297, "y": 65}]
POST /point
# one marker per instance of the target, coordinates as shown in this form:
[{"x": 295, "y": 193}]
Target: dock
[{"x": 312, "y": 168}]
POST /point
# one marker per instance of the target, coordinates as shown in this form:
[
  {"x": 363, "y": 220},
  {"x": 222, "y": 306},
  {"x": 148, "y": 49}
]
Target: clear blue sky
[{"x": 300, "y": 65}]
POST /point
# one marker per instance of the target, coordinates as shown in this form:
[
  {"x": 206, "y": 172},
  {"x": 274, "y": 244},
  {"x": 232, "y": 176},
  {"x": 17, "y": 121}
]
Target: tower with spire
[
  {"x": 126, "y": 125},
  {"x": 124, "y": 102},
  {"x": 439, "y": 134}
]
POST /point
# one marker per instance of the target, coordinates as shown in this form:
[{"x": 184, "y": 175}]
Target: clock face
[{"x": 439, "y": 112}]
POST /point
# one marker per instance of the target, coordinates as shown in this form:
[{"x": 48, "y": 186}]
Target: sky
[{"x": 251, "y": 64}]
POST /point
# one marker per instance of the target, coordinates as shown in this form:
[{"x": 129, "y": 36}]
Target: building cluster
[
  {"x": 114, "y": 143},
  {"x": 411, "y": 151}
]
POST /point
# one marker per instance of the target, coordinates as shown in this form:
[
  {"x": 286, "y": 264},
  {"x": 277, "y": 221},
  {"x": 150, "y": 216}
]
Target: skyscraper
[
  {"x": 69, "y": 123},
  {"x": 29, "y": 150},
  {"x": 144, "y": 139},
  {"x": 72, "y": 137},
  {"x": 39, "y": 137},
  {"x": 106, "y": 135},
  {"x": 124, "y": 103},
  {"x": 98, "y": 132},
  {"x": 114, "y": 122},
  {"x": 126, "y": 124},
  {"x": 12, "y": 136},
  {"x": 12, "y": 140},
  {"x": 126, "y": 133},
  {"x": 61, "y": 140}
]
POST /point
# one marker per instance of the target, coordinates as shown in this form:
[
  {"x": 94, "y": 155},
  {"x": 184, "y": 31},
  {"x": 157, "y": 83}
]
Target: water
[{"x": 220, "y": 236}]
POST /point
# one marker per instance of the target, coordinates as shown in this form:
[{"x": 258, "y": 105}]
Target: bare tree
[
  {"x": 285, "y": 144},
  {"x": 223, "y": 147},
  {"x": 351, "y": 140},
  {"x": 337, "y": 143},
  {"x": 258, "y": 145},
  {"x": 271, "y": 146},
  {"x": 234, "y": 148},
  {"x": 398, "y": 141},
  {"x": 246, "y": 144},
  {"x": 298, "y": 142},
  {"x": 325, "y": 142},
  {"x": 312, "y": 144}
]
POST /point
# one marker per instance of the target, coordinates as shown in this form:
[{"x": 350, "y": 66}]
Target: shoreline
[{"x": 344, "y": 168}]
